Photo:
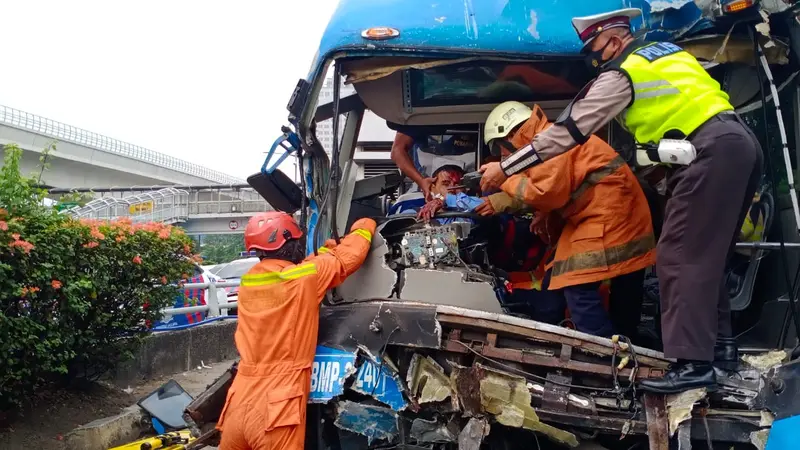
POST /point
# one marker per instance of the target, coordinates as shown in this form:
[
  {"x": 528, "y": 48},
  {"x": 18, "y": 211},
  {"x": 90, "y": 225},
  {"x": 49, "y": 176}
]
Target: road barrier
[{"x": 213, "y": 307}]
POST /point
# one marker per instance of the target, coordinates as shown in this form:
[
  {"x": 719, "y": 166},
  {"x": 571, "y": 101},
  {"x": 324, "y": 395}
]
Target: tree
[
  {"x": 221, "y": 248},
  {"x": 76, "y": 296}
]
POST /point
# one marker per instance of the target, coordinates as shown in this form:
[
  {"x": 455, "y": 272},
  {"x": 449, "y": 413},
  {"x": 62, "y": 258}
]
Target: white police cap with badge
[{"x": 589, "y": 27}]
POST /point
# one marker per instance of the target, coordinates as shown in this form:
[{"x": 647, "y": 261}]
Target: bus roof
[{"x": 495, "y": 27}]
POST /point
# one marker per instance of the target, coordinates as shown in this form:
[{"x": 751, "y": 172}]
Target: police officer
[{"x": 657, "y": 90}]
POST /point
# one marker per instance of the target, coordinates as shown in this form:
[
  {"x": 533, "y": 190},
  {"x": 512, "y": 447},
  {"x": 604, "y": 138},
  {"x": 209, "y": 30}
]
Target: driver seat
[{"x": 406, "y": 202}]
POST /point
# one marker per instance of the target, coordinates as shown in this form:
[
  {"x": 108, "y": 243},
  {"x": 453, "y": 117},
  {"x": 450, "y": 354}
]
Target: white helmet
[{"x": 504, "y": 118}]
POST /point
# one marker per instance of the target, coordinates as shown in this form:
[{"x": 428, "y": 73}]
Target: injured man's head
[{"x": 447, "y": 179}]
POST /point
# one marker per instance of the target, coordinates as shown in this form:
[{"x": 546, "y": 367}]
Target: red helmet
[{"x": 268, "y": 231}]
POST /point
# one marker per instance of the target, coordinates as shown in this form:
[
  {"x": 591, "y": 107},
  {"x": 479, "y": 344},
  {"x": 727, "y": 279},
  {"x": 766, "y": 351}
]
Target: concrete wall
[
  {"x": 172, "y": 352},
  {"x": 91, "y": 167}
]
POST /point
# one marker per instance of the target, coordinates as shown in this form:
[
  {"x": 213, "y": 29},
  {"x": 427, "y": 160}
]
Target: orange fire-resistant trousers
[{"x": 276, "y": 336}]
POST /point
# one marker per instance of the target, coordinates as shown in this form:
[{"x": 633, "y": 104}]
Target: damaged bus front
[{"x": 422, "y": 347}]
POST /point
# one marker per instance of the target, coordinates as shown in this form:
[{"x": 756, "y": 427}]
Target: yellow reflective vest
[{"x": 672, "y": 92}]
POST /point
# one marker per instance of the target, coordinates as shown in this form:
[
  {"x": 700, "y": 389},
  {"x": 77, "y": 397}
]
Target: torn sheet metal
[
  {"x": 448, "y": 288},
  {"x": 679, "y": 407},
  {"x": 426, "y": 380},
  {"x": 581, "y": 338},
  {"x": 381, "y": 383},
  {"x": 375, "y": 324},
  {"x": 330, "y": 369},
  {"x": 506, "y": 397},
  {"x": 374, "y": 279},
  {"x": 736, "y": 49},
  {"x": 374, "y": 422},
  {"x": 433, "y": 432},
  {"x": 472, "y": 434},
  {"x": 673, "y": 19}
]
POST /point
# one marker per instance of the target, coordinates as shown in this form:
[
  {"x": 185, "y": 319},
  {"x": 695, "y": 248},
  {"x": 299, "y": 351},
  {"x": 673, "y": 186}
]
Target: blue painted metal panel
[
  {"x": 374, "y": 422},
  {"x": 458, "y": 26},
  {"x": 381, "y": 383},
  {"x": 785, "y": 434},
  {"x": 330, "y": 369},
  {"x": 522, "y": 27}
]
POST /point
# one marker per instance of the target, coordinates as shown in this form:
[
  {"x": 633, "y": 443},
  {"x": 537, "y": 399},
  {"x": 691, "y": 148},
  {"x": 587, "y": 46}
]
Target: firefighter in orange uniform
[
  {"x": 607, "y": 232},
  {"x": 277, "y": 330}
]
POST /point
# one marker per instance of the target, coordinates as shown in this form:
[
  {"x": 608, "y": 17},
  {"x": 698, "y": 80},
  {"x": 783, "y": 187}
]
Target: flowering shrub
[{"x": 76, "y": 296}]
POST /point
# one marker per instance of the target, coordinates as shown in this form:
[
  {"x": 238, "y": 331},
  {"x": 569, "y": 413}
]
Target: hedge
[{"x": 76, "y": 296}]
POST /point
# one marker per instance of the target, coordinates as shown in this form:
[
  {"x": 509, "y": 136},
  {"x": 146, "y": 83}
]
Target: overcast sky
[{"x": 204, "y": 81}]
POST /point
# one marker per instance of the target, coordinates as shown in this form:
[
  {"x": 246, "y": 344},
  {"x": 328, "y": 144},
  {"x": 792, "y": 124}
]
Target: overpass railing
[
  {"x": 168, "y": 205},
  {"x": 40, "y": 125}
]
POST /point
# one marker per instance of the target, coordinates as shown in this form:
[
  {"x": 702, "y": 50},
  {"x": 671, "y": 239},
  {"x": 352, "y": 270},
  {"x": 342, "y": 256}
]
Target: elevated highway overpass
[
  {"x": 210, "y": 209},
  {"x": 84, "y": 158}
]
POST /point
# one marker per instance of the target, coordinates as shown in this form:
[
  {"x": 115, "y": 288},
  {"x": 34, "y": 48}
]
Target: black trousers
[{"x": 709, "y": 199}]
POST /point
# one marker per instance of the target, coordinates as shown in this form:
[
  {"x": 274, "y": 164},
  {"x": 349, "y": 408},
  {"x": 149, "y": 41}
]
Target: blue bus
[{"x": 416, "y": 344}]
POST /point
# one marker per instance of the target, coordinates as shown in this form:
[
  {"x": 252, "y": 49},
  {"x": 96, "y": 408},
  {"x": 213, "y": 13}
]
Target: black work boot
[
  {"x": 726, "y": 354},
  {"x": 683, "y": 376}
]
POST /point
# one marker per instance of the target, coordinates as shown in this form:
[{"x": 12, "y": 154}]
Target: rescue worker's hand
[
  {"x": 486, "y": 208},
  {"x": 493, "y": 176},
  {"x": 500, "y": 202},
  {"x": 365, "y": 223},
  {"x": 430, "y": 209},
  {"x": 330, "y": 243},
  {"x": 425, "y": 187}
]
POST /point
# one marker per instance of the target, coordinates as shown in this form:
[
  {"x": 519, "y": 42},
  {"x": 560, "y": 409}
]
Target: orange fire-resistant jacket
[
  {"x": 608, "y": 230},
  {"x": 276, "y": 337}
]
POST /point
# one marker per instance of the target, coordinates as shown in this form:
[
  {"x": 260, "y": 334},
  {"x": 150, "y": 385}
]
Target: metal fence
[
  {"x": 213, "y": 307},
  {"x": 167, "y": 205},
  {"x": 40, "y": 125}
]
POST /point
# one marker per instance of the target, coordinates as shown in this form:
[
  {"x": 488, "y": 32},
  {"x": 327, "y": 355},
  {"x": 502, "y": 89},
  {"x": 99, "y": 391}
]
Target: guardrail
[
  {"x": 213, "y": 307},
  {"x": 31, "y": 122}
]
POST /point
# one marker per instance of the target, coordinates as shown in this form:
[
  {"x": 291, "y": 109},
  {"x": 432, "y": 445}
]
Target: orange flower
[
  {"x": 137, "y": 259},
  {"x": 120, "y": 238},
  {"x": 164, "y": 234},
  {"x": 3, "y": 225},
  {"x": 97, "y": 234},
  {"x": 25, "y": 246},
  {"x": 91, "y": 244},
  {"x": 163, "y": 280},
  {"x": 187, "y": 249},
  {"x": 56, "y": 284}
]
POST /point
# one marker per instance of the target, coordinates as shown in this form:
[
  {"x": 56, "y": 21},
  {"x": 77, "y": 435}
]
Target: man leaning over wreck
[
  {"x": 607, "y": 232},
  {"x": 659, "y": 91},
  {"x": 276, "y": 335}
]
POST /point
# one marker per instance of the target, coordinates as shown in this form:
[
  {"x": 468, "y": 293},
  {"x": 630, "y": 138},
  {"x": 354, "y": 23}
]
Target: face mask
[{"x": 594, "y": 60}]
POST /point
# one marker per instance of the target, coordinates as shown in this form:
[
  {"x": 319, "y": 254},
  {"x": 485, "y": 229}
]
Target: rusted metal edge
[
  {"x": 602, "y": 424},
  {"x": 521, "y": 331},
  {"x": 489, "y": 351},
  {"x": 445, "y": 311},
  {"x": 657, "y": 421}
]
